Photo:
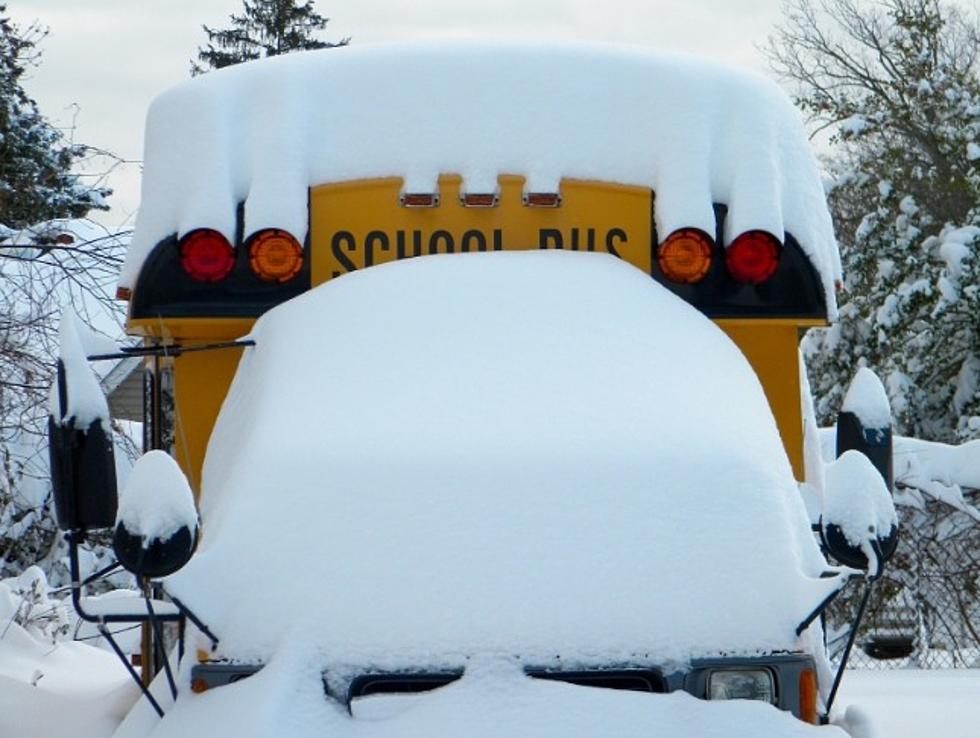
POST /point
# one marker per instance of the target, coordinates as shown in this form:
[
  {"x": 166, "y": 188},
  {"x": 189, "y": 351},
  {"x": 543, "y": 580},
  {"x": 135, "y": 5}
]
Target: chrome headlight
[{"x": 741, "y": 684}]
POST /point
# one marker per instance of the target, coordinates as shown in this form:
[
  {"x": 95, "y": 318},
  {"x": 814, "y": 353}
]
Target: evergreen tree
[
  {"x": 265, "y": 28},
  {"x": 47, "y": 260},
  {"x": 36, "y": 181}
]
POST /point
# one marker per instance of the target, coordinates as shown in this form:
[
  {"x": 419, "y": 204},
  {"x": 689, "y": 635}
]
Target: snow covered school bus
[
  {"x": 262, "y": 184},
  {"x": 519, "y": 396}
]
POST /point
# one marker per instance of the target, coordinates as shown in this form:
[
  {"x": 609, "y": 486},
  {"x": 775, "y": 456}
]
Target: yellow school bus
[{"x": 268, "y": 180}]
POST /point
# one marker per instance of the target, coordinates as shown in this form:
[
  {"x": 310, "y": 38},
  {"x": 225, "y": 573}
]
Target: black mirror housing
[
  {"x": 875, "y": 443},
  {"x": 83, "y": 467},
  {"x": 835, "y": 542},
  {"x": 83, "y": 476},
  {"x": 156, "y": 558}
]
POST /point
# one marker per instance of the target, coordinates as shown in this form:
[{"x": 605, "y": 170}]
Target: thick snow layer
[
  {"x": 86, "y": 402},
  {"x": 695, "y": 132},
  {"x": 493, "y": 699},
  {"x": 535, "y": 453},
  {"x": 866, "y": 398},
  {"x": 857, "y": 500},
  {"x": 157, "y": 500}
]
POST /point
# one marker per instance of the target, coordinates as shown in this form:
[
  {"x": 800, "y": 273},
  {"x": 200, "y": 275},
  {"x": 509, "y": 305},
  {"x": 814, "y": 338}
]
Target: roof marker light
[
  {"x": 419, "y": 199},
  {"x": 274, "y": 255},
  {"x": 542, "y": 199},
  {"x": 480, "y": 199},
  {"x": 206, "y": 255},
  {"x": 753, "y": 257},
  {"x": 685, "y": 256}
]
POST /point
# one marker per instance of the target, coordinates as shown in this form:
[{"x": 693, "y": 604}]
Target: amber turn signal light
[
  {"x": 753, "y": 257},
  {"x": 274, "y": 255},
  {"x": 685, "y": 256},
  {"x": 808, "y": 696}
]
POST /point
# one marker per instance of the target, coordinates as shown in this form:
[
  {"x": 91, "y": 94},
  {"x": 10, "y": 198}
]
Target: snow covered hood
[
  {"x": 695, "y": 132},
  {"x": 535, "y": 453}
]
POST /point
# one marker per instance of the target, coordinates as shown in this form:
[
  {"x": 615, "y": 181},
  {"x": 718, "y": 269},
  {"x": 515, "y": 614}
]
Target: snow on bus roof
[
  {"x": 695, "y": 132},
  {"x": 536, "y": 453}
]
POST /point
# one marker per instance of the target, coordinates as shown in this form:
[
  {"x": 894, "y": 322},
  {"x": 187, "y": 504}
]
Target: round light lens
[
  {"x": 206, "y": 255},
  {"x": 685, "y": 256},
  {"x": 274, "y": 255},
  {"x": 753, "y": 257}
]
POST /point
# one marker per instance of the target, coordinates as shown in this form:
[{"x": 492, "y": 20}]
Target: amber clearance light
[
  {"x": 206, "y": 255},
  {"x": 753, "y": 257},
  {"x": 685, "y": 256},
  {"x": 274, "y": 255}
]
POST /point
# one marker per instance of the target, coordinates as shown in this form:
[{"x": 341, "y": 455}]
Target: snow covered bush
[{"x": 25, "y": 600}]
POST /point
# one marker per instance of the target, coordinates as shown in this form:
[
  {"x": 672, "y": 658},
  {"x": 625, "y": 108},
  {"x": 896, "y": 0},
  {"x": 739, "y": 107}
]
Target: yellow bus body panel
[
  {"x": 358, "y": 224},
  {"x": 354, "y": 225}
]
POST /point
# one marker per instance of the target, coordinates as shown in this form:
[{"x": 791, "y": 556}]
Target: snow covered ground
[{"x": 911, "y": 703}]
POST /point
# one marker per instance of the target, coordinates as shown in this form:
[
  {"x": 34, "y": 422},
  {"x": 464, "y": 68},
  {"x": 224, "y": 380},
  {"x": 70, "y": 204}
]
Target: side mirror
[
  {"x": 83, "y": 469},
  {"x": 865, "y": 423},
  {"x": 859, "y": 526},
  {"x": 156, "y": 527}
]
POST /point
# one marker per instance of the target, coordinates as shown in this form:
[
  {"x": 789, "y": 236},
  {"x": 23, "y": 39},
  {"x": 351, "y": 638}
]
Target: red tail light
[
  {"x": 753, "y": 257},
  {"x": 206, "y": 255}
]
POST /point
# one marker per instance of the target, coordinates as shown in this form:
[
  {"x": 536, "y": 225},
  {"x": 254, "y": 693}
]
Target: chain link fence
[{"x": 925, "y": 610}]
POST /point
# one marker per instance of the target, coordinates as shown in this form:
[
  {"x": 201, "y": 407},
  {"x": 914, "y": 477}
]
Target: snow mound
[
  {"x": 693, "y": 131},
  {"x": 867, "y": 399},
  {"x": 538, "y": 453},
  {"x": 157, "y": 501},
  {"x": 50, "y": 686}
]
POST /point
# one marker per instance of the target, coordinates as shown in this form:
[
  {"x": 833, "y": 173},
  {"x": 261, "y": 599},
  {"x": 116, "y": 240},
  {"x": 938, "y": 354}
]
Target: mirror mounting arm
[
  {"x": 171, "y": 350},
  {"x": 868, "y": 587},
  {"x": 825, "y": 603},
  {"x": 74, "y": 539}
]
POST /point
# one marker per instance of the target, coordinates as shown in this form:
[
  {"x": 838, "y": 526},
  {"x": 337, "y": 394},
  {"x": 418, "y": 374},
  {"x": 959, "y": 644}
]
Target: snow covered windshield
[
  {"x": 695, "y": 133},
  {"x": 534, "y": 453}
]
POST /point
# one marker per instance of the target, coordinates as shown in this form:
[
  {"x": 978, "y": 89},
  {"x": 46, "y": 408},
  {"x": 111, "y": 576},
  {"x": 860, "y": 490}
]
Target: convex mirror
[
  {"x": 859, "y": 526},
  {"x": 156, "y": 527}
]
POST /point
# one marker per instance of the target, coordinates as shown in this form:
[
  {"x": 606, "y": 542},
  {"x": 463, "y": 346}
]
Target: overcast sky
[{"x": 104, "y": 60}]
